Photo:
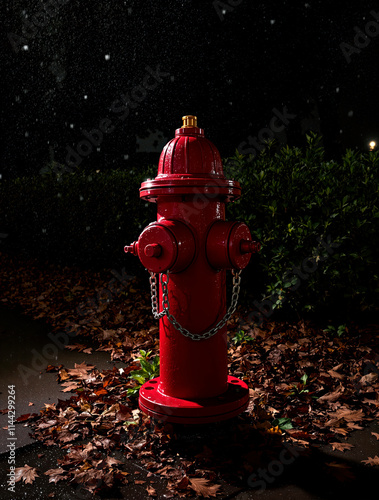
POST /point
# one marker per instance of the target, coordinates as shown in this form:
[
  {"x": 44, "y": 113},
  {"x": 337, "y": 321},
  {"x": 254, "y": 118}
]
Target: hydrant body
[{"x": 188, "y": 251}]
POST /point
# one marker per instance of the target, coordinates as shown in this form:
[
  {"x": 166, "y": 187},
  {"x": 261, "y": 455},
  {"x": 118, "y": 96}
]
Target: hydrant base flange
[{"x": 170, "y": 409}]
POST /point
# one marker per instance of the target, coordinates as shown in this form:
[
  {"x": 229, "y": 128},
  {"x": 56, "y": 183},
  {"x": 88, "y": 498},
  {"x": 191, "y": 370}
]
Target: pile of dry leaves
[{"x": 307, "y": 388}]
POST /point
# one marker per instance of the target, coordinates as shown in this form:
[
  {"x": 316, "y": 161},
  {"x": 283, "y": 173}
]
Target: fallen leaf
[
  {"x": 201, "y": 486},
  {"x": 341, "y": 446},
  {"x": 335, "y": 374},
  {"x": 151, "y": 491},
  {"x": 112, "y": 461},
  {"x": 80, "y": 371},
  {"x": 332, "y": 396},
  {"x": 375, "y": 434},
  {"x": 368, "y": 379},
  {"x": 70, "y": 386},
  {"x": 26, "y": 473},
  {"x": 371, "y": 461},
  {"x": 31, "y": 404},
  {"x": 55, "y": 475}
]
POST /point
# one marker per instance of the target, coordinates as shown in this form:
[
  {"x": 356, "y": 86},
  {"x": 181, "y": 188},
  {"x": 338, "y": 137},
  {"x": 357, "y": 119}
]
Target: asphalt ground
[{"x": 295, "y": 475}]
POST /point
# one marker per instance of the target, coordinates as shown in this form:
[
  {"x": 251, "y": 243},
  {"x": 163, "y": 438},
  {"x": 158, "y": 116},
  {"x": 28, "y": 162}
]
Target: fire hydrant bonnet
[{"x": 190, "y": 164}]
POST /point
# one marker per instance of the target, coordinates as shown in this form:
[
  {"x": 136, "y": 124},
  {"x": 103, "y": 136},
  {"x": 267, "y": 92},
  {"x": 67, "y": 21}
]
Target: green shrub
[
  {"x": 75, "y": 218},
  {"x": 291, "y": 199}
]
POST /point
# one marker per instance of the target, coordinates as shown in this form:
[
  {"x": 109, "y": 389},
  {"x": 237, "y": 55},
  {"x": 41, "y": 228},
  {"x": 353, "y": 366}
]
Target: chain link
[{"x": 166, "y": 305}]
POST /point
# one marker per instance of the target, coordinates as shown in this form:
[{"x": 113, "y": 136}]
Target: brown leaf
[
  {"x": 26, "y": 416},
  {"x": 371, "y": 461},
  {"x": 335, "y": 374},
  {"x": 112, "y": 461},
  {"x": 368, "y": 379},
  {"x": 70, "y": 386},
  {"x": 55, "y": 475},
  {"x": 183, "y": 483},
  {"x": 375, "y": 434},
  {"x": 341, "y": 446},
  {"x": 63, "y": 375},
  {"x": 26, "y": 473},
  {"x": 80, "y": 371},
  {"x": 151, "y": 491},
  {"x": 201, "y": 486},
  {"x": 350, "y": 415},
  {"x": 139, "y": 481},
  {"x": 66, "y": 436},
  {"x": 101, "y": 391},
  {"x": 332, "y": 396}
]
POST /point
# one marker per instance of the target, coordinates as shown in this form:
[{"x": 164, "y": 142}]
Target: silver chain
[{"x": 172, "y": 319}]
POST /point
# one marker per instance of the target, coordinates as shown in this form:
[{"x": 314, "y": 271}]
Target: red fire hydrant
[{"x": 187, "y": 252}]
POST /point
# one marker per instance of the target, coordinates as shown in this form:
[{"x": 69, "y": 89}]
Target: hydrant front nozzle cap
[
  {"x": 153, "y": 250},
  {"x": 189, "y": 121}
]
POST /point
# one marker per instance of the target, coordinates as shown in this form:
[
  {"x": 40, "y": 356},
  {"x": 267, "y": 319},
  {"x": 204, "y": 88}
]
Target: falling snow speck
[
  {"x": 126, "y": 157},
  {"x": 81, "y": 198},
  {"x": 26, "y": 134},
  {"x": 350, "y": 114},
  {"x": 337, "y": 89},
  {"x": 107, "y": 57},
  {"x": 71, "y": 125},
  {"x": 272, "y": 21},
  {"x": 86, "y": 96},
  {"x": 25, "y": 47},
  {"x": 88, "y": 228}
]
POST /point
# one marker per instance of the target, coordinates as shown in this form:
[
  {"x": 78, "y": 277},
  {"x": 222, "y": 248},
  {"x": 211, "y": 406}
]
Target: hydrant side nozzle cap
[{"x": 189, "y": 121}]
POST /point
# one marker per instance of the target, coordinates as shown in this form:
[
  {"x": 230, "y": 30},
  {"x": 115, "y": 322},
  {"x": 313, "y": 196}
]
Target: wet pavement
[{"x": 24, "y": 357}]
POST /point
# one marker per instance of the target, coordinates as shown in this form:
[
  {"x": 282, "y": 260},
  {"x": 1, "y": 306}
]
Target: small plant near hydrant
[
  {"x": 282, "y": 423},
  {"x": 300, "y": 387},
  {"x": 242, "y": 337},
  {"x": 149, "y": 369},
  {"x": 339, "y": 331}
]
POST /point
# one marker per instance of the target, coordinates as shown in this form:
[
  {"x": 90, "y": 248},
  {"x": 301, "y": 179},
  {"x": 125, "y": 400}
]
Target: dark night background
[{"x": 230, "y": 68}]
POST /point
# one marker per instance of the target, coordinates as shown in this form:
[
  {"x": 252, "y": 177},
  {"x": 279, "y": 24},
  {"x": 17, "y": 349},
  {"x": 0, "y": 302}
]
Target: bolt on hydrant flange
[{"x": 187, "y": 252}]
